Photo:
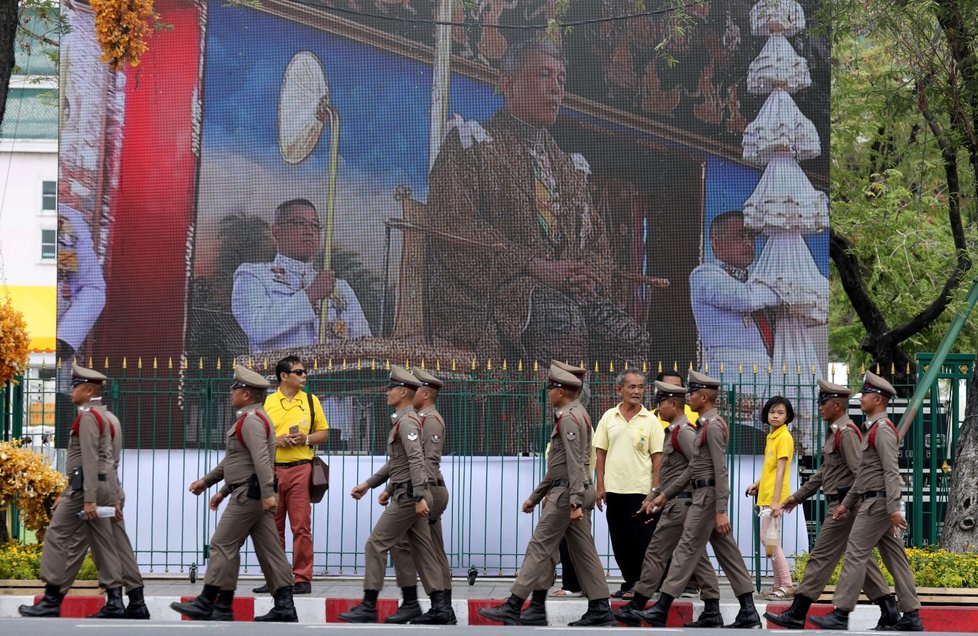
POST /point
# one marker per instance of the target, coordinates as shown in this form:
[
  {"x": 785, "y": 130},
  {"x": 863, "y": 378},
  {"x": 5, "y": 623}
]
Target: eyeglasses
[
  {"x": 303, "y": 224},
  {"x": 297, "y": 371}
]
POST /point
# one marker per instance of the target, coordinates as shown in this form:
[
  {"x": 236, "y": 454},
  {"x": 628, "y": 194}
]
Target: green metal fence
[{"x": 175, "y": 417}]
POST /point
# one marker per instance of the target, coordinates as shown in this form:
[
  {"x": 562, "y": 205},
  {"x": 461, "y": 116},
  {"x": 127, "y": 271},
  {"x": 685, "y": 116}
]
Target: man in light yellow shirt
[
  {"x": 628, "y": 442},
  {"x": 299, "y": 424}
]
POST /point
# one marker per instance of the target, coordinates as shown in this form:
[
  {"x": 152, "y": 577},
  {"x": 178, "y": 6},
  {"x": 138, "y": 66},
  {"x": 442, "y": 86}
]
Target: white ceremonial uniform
[{"x": 81, "y": 286}]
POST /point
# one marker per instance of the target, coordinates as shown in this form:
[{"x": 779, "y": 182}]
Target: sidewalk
[{"x": 333, "y": 595}]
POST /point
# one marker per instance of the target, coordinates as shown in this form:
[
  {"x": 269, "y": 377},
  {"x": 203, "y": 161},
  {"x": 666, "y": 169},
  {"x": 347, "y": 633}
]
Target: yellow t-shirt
[
  {"x": 779, "y": 444},
  {"x": 285, "y": 414},
  {"x": 629, "y": 446},
  {"x": 691, "y": 415}
]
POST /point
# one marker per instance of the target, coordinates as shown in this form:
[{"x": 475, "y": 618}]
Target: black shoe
[
  {"x": 690, "y": 592},
  {"x": 405, "y": 613},
  {"x": 629, "y": 615},
  {"x": 889, "y": 614},
  {"x": 261, "y": 589},
  {"x": 535, "y": 615},
  {"x": 657, "y": 615},
  {"x": 506, "y": 613},
  {"x": 114, "y": 607},
  {"x": 708, "y": 619},
  {"x": 48, "y": 607},
  {"x": 223, "y": 610},
  {"x": 137, "y": 605},
  {"x": 439, "y": 614},
  {"x": 909, "y": 622},
  {"x": 284, "y": 609},
  {"x": 836, "y": 620},
  {"x": 365, "y": 612},
  {"x": 302, "y": 587},
  {"x": 598, "y": 614},
  {"x": 794, "y": 616},
  {"x": 199, "y": 609}
]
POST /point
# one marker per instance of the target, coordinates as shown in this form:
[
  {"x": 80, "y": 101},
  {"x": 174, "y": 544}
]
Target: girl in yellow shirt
[{"x": 773, "y": 488}]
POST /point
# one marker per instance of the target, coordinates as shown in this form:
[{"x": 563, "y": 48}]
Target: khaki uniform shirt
[
  {"x": 405, "y": 456},
  {"x": 116, "y": 438},
  {"x": 710, "y": 458},
  {"x": 675, "y": 461},
  {"x": 90, "y": 448},
  {"x": 839, "y": 464},
  {"x": 570, "y": 453},
  {"x": 879, "y": 469},
  {"x": 432, "y": 441},
  {"x": 254, "y": 457}
]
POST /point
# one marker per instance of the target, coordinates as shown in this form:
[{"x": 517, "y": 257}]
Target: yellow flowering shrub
[
  {"x": 931, "y": 567},
  {"x": 24, "y": 562},
  {"x": 15, "y": 344},
  {"x": 122, "y": 28},
  {"x": 28, "y": 482}
]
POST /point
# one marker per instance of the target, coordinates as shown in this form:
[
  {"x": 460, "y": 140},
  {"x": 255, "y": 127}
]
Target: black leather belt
[
  {"x": 437, "y": 482},
  {"x": 557, "y": 483},
  {"x": 684, "y": 495},
  {"x": 291, "y": 464},
  {"x": 833, "y": 498},
  {"x": 703, "y": 483},
  {"x": 233, "y": 487},
  {"x": 101, "y": 477},
  {"x": 874, "y": 493},
  {"x": 405, "y": 485}
]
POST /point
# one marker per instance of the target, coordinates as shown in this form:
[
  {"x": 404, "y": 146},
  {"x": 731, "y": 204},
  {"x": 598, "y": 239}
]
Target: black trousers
[
  {"x": 630, "y": 535},
  {"x": 568, "y": 577}
]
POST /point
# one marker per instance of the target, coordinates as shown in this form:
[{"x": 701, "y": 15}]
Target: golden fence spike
[
  {"x": 91, "y": 363},
  {"x": 908, "y": 367},
  {"x": 489, "y": 364},
  {"x": 597, "y": 369},
  {"x": 706, "y": 368},
  {"x": 611, "y": 366},
  {"x": 473, "y": 364},
  {"x": 675, "y": 366},
  {"x": 422, "y": 363},
  {"x": 359, "y": 364},
  {"x": 799, "y": 370},
  {"x": 200, "y": 363},
  {"x": 892, "y": 369},
  {"x": 877, "y": 368},
  {"x": 581, "y": 364},
  {"x": 505, "y": 366},
  {"x": 454, "y": 365},
  {"x": 862, "y": 368},
  {"x": 536, "y": 366},
  {"x": 645, "y": 367},
  {"x": 315, "y": 363},
  {"x": 519, "y": 365},
  {"x": 124, "y": 362},
  {"x": 755, "y": 369},
  {"x": 169, "y": 364},
  {"x": 343, "y": 366},
  {"x": 387, "y": 364},
  {"x": 721, "y": 369},
  {"x": 437, "y": 364},
  {"x": 814, "y": 370},
  {"x": 264, "y": 363},
  {"x": 329, "y": 364},
  {"x": 44, "y": 363},
  {"x": 373, "y": 364},
  {"x": 218, "y": 364},
  {"x": 690, "y": 365}
]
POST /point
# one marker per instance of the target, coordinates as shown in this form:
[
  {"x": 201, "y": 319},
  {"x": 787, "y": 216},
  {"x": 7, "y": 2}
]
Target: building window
[
  {"x": 49, "y": 196},
  {"x": 49, "y": 244}
]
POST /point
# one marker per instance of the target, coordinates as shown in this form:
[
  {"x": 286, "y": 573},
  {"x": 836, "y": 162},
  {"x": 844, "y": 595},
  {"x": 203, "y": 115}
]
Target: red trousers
[{"x": 293, "y": 499}]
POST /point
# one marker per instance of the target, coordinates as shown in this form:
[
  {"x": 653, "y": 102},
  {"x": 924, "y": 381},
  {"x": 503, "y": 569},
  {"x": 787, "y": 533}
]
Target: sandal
[
  {"x": 781, "y": 593},
  {"x": 562, "y": 593}
]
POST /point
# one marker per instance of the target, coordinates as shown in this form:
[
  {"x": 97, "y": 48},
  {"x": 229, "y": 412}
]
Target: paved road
[{"x": 60, "y": 626}]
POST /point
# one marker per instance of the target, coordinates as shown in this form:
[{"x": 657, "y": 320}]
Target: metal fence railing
[{"x": 175, "y": 419}]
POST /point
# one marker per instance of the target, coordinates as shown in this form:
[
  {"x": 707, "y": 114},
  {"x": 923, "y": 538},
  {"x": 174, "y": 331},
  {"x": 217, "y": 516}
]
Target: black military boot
[
  {"x": 909, "y": 622},
  {"x": 794, "y": 616},
  {"x": 657, "y": 614},
  {"x": 365, "y": 612},
  {"x": 202, "y": 607},
  {"x": 710, "y": 617},
  {"x": 223, "y": 610},
  {"x": 284, "y": 609},
  {"x": 536, "y": 612},
  {"x": 409, "y": 608},
  {"x": 889, "y": 614},
  {"x": 837, "y": 619},
  {"x": 137, "y": 605},
  {"x": 598, "y": 614},
  {"x": 49, "y": 606},
  {"x": 747, "y": 617},
  {"x": 438, "y": 614},
  {"x": 508, "y": 613},
  {"x": 628, "y": 614},
  {"x": 450, "y": 607}
]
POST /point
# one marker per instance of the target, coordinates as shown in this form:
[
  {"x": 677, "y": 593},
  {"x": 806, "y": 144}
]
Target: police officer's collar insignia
[
  {"x": 393, "y": 417},
  {"x": 84, "y": 409},
  {"x": 436, "y": 438},
  {"x": 571, "y": 435},
  {"x": 558, "y": 414},
  {"x": 412, "y": 436}
]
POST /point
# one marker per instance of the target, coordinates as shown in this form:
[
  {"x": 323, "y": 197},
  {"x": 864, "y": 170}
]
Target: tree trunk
[
  {"x": 9, "y": 22},
  {"x": 961, "y": 514}
]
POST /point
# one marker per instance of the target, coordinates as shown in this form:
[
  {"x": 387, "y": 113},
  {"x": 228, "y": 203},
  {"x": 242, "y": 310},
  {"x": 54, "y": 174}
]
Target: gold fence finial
[
  {"x": 124, "y": 362},
  {"x": 892, "y": 369},
  {"x": 106, "y": 362},
  {"x": 387, "y": 364},
  {"x": 706, "y": 368},
  {"x": 877, "y": 368},
  {"x": 908, "y": 367},
  {"x": 373, "y": 364},
  {"x": 536, "y": 365},
  {"x": 489, "y": 364},
  {"x": 437, "y": 364},
  {"x": 454, "y": 365},
  {"x": 91, "y": 363},
  {"x": 200, "y": 363},
  {"x": 597, "y": 369},
  {"x": 264, "y": 364},
  {"x": 799, "y": 369},
  {"x": 722, "y": 367},
  {"x": 422, "y": 363},
  {"x": 329, "y": 364},
  {"x": 505, "y": 366},
  {"x": 169, "y": 363},
  {"x": 343, "y": 366},
  {"x": 474, "y": 367},
  {"x": 359, "y": 364},
  {"x": 218, "y": 364},
  {"x": 581, "y": 364},
  {"x": 660, "y": 366},
  {"x": 519, "y": 364},
  {"x": 315, "y": 363},
  {"x": 645, "y": 367}
]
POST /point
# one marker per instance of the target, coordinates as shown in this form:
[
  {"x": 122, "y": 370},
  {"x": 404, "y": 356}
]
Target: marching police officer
[
  {"x": 249, "y": 484},
  {"x": 707, "y": 520},
  {"x": 841, "y": 454},
  {"x": 405, "y": 562},
  {"x": 878, "y": 522},
  {"x": 89, "y": 465},
  {"x": 408, "y": 506},
  {"x": 570, "y": 498},
  {"x": 674, "y": 499}
]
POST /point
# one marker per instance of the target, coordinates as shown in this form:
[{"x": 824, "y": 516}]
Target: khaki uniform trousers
[
  {"x": 542, "y": 552},
  {"x": 667, "y": 535},
  {"x": 400, "y": 521},
  {"x": 828, "y": 549},
  {"x": 700, "y": 528},
  {"x": 242, "y": 518},
  {"x": 406, "y": 566},
  {"x": 65, "y": 530},
  {"x": 872, "y": 529},
  {"x": 129, "y": 569}
]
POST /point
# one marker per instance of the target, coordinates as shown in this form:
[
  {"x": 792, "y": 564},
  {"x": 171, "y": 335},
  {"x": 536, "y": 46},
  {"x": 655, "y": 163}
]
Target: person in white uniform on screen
[{"x": 81, "y": 286}]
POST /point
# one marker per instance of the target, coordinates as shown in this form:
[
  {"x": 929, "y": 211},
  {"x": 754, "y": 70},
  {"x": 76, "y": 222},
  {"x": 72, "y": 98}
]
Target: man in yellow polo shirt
[
  {"x": 628, "y": 442},
  {"x": 299, "y": 424}
]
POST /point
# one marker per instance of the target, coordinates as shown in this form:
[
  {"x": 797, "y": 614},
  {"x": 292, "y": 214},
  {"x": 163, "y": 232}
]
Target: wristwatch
[
  {"x": 574, "y": 506},
  {"x": 418, "y": 498}
]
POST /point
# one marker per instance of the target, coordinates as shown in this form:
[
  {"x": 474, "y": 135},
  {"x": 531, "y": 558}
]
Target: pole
[
  {"x": 924, "y": 386},
  {"x": 441, "y": 80},
  {"x": 334, "y": 152}
]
